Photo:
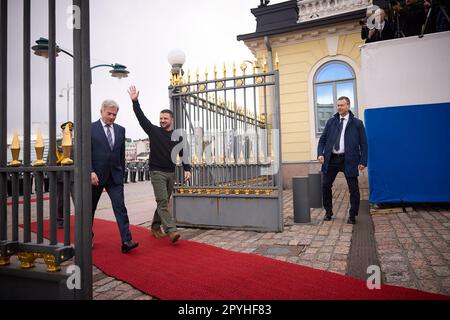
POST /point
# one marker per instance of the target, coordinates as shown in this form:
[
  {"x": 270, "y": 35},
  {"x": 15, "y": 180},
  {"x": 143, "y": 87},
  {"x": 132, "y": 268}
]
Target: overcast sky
[{"x": 136, "y": 33}]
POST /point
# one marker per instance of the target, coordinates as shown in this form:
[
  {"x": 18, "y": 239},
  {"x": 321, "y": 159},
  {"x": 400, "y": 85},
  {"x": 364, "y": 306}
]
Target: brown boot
[
  {"x": 158, "y": 233},
  {"x": 174, "y": 236}
]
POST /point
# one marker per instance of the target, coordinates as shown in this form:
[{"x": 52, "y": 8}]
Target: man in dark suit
[
  {"x": 380, "y": 28},
  {"x": 108, "y": 167},
  {"x": 342, "y": 147}
]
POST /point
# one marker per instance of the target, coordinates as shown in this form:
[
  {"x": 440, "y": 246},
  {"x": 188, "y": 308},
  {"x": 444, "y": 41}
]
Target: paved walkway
[{"x": 413, "y": 247}]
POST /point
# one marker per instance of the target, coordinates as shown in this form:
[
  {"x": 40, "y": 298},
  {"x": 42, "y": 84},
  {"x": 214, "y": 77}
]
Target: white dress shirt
[
  {"x": 341, "y": 141},
  {"x": 105, "y": 128}
]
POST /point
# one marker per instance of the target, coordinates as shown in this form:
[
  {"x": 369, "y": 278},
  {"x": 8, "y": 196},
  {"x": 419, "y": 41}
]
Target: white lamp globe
[{"x": 176, "y": 57}]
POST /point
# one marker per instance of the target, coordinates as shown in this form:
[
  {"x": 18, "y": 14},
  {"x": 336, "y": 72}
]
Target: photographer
[
  {"x": 412, "y": 17},
  {"x": 363, "y": 24},
  {"x": 379, "y": 28}
]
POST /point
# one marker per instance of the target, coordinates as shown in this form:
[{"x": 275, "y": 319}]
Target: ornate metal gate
[
  {"x": 231, "y": 133},
  {"x": 20, "y": 276}
]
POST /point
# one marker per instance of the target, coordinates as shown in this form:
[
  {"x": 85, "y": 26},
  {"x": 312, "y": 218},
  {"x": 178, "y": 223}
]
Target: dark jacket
[
  {"x": 355, "y": 141},
  {"x": 385, "y": 34},
  {"x": 106, "y": 163},
  {"x": 412, "y": 18},
  {"x": 161, "y": 143}
]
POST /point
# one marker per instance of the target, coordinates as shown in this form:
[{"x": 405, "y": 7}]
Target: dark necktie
[
  {"x": 338, "y": 140},
  {"x": 109, "y": 135}
]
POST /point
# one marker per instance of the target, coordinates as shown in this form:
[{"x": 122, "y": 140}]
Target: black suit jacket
[
  {"x": 106, "y": 162},
  {"x": 355, "y": 140},
  {"x": 385, "y": 34}
]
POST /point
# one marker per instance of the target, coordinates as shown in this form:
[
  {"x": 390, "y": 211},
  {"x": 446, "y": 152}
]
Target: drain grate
[{"x": 279, "y": 250}]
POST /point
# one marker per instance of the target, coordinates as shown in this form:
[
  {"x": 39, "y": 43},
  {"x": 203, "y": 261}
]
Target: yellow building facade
[{"x": 302, "y": 54}]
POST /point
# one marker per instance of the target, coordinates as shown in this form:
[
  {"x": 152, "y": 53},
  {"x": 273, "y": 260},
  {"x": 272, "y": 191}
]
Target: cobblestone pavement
[{"x": 414, "y": 248}]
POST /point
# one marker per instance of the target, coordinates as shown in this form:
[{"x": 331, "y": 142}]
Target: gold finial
[
  {"x": 39, "y": 147},
  {"x": 204, "y": 158},
  {"x": 262, "y": 157},
  {"x": 206, "y": 74},
  {"x": 189, "y": 76},
  {"x": 277, "y": 61},
  {"x": 194, "y": 159},
  {"x": 264, "y": 62},
  {"x": 254, "y": 67},
  {"x": 234, "y": 69},
  {"x": 243, "y": 67},
  {"x": 180, "y": 77},
  {"x": 15, "y": 151},
  {"x": 215, "y": 72},
  {"x": 67, "y": 145},
  {"x": 231, "y": 158},
  {"x": 241, "y": 157},
  {"x": 251, "y": 158},
  {"x": 224, "y": 70},
  {"x": 197, "y": 75}
]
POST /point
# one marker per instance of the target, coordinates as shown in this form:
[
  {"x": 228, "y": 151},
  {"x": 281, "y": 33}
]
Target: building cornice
[{"x": 307, "y": 26}]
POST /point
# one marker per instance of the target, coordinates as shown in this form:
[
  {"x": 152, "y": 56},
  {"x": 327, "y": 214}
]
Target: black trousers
[
  {"x": 60, "y": 195},
  {"x": 337, "y": 163},
  {"x": 115, "y": 192}
]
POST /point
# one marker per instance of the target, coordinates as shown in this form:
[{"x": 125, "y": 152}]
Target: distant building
[
  {"x": 130, "y": 150},
  {"x": 135, "y": 149},
  {"x": 143, "y": 156}
]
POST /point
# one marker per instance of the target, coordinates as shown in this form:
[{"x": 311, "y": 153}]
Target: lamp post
[
  {"x": 41, "y": 49},
  {"x": 67, "y": 92},
  {"x": 176, "y": 58}
]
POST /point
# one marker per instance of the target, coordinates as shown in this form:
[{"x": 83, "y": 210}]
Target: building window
[{"x": 332, "y": 80}]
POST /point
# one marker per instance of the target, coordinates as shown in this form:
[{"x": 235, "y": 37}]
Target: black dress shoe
[
  {"x": 128, "y": 246},
  {"x": 328, "y": 216},
  {"x": 351, "y": 220}
]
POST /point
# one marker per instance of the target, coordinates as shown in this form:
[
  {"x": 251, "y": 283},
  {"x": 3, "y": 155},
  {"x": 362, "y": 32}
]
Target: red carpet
[{"x": 191, "y": 271}]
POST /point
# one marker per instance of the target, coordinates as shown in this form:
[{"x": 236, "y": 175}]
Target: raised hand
[{"x": 134, "y": 94}]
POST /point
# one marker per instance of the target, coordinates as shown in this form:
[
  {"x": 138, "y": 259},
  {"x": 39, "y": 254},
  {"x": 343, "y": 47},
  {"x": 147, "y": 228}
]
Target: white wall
[{"x": 406, "y": 71}]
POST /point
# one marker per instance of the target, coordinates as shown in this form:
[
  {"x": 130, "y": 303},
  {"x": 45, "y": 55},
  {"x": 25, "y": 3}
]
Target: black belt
[{"x": 339, "y": 155}]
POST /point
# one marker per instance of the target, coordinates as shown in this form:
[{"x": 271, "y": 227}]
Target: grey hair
[{"x": 109, "y": 103}]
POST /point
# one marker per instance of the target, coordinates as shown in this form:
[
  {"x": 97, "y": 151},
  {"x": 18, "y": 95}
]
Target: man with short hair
[
  {"x": 342, "y": 148},
  {"x": 108, "y": 168},
  {"x": 162, "y": 168}
]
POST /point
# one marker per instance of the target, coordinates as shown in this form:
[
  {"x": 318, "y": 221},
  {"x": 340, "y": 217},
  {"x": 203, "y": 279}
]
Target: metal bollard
[
  {"x": 300, "y": 196},
  {"x": 315, "y": 190}
]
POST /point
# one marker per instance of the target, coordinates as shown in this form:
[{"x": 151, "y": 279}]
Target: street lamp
[
  {"x": 41, "y": 49},
  {"x": 61, "y": 95},
  {"x": 176, "y": 58}
]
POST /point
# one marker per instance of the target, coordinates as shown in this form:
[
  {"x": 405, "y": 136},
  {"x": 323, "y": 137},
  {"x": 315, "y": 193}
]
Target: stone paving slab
[{"x": 414, "y": 248}]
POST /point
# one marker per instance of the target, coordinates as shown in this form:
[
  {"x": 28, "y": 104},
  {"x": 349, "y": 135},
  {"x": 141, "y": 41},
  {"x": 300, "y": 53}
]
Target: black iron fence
[
  {"x": 230, "y": 128},
  {"x": 24, "y": 236}
]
